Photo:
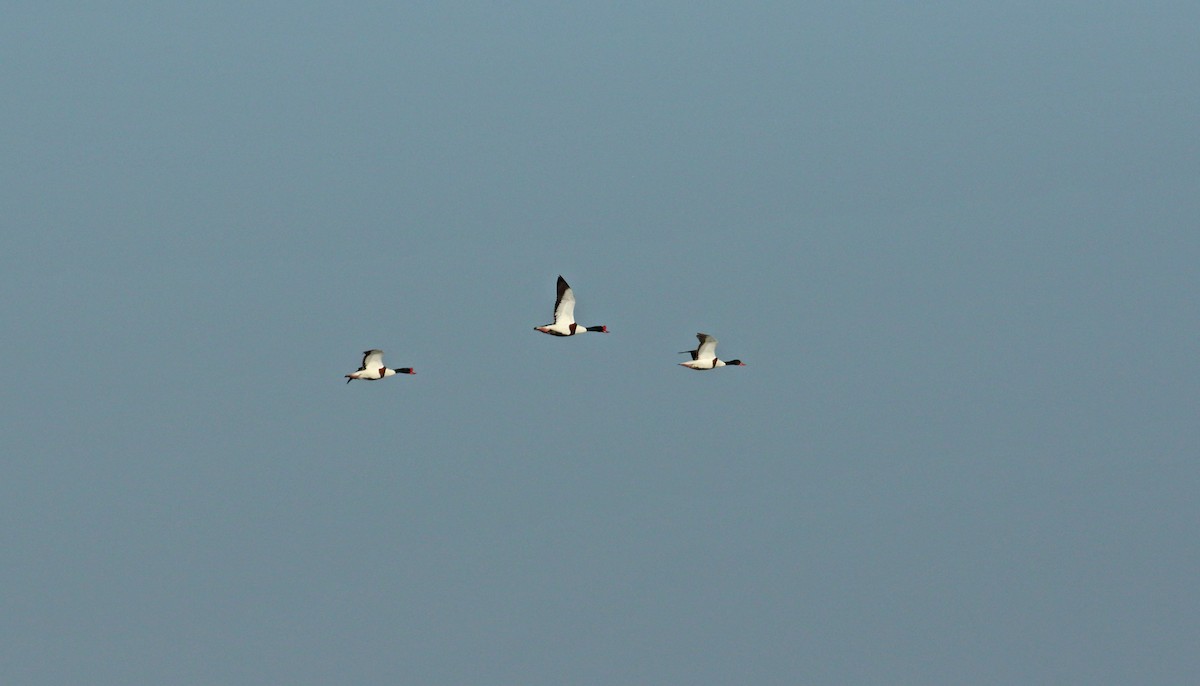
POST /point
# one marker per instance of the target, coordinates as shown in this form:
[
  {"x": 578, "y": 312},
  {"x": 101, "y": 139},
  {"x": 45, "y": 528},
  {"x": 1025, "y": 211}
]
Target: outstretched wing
[
  {"x": 564, "y": 306},
  {"x": 372, "y": 359},
  {"x": 707, "y": 349}
]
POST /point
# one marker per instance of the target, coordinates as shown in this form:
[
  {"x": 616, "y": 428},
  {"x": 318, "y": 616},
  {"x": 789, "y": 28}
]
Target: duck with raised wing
[
  {"x": 372, "y": 368},
  {"x": 564, "y": 315},
  {"x": 705, "y": 355}
]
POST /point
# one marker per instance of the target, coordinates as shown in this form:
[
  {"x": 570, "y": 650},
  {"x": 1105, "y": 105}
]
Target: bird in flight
[
  {"x": 372, "y": 368},
  {"x": 564, "y": 315},
  {"x": 705, "y": 355}
]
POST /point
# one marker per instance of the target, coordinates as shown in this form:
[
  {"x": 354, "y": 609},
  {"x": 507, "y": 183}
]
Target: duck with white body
[
  {"x": 705, "y": 355},
  {"x": 564, "y": 315},
  {"x": 373, "y": 369}
]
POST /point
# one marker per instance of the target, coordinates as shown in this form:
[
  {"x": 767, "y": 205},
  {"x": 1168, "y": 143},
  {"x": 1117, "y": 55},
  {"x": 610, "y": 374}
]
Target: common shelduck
[
  {"x": 372, "y": 368},
  {"x": 564, "y": 315},
  {"x": 705, "y": 355}
]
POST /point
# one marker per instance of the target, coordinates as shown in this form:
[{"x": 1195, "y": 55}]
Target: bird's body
[
  {"x": 705, "y": 355},
  {"x": 564, "y": 315},
  {"x": 373, "y": 369}
]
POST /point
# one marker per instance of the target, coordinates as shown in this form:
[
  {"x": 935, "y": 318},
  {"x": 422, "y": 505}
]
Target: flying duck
[
  {"x": 705, "y": 355},
  {"x": 564, "y": 315},
  {"x": 372, "y": 368}
]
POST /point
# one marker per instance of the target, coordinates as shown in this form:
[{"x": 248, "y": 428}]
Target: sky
[{"x": 955, "y": 243}]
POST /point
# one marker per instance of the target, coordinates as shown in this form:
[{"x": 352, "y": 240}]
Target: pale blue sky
[{"x": 956, "y": 244}]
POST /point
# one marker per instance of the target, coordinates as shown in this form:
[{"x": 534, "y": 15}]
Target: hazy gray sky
[{"x": 956, "y": 244}]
